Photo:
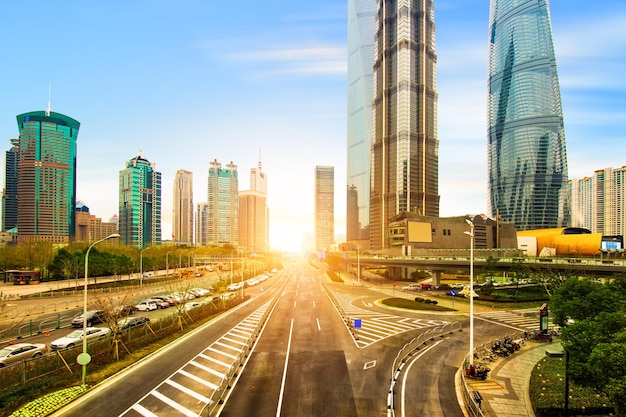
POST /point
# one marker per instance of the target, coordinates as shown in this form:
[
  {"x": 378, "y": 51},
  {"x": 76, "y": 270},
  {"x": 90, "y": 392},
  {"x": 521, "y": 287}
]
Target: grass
[{"x": 547, "y": 393}]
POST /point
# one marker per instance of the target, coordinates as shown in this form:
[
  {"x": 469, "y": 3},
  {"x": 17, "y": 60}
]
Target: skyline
[{"x": 188, "y": 83}]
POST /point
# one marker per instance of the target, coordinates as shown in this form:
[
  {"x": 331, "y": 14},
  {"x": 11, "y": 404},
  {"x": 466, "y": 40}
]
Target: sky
[{"x": 188, "y": 81}]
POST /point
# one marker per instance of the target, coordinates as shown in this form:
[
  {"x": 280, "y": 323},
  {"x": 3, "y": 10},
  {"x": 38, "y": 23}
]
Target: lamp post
[
  {"x": 180, "y": 258},
  {"x": 358, "y": 265},
  {"x": 84, "y": 358},
  {"x": 231, "y": 265},
  {"x": 141, "y": 265},
  {"x": 167, "y": 264},
  {"x": 471, "y": 291}
]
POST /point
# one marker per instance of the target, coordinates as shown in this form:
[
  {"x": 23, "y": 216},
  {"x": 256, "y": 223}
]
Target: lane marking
[
  {"x": 406, "y": 373},
  {"x": 318, "y": 324},
  {"x": 282, "y": 384}
]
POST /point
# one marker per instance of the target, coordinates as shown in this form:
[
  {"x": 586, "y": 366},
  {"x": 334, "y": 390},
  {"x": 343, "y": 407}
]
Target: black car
[
  {"x": 93, "y": 317},
  {"x": 123, "y": 310},
  {"x": 129, "y": 322}
]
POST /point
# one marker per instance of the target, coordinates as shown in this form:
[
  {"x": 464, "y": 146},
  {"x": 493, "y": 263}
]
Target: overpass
[{"x": 400, "y": 267}]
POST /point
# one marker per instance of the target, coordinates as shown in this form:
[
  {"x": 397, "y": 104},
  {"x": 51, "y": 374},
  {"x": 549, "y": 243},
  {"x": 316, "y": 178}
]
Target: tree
[{"x": 582, "y": 299}]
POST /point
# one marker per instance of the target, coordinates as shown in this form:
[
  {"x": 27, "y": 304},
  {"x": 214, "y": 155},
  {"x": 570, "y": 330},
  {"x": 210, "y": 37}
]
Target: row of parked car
[{"x": 250, "y": 282}]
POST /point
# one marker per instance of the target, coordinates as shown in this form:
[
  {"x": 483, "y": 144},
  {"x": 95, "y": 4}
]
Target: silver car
[
  {"x": 76, "y": 338},
  {"x": 12, "y": 354}
]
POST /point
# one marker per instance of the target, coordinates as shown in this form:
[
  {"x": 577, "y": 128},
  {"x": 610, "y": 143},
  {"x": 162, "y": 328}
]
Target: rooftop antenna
[
  {"x": 259, "y": 159},
  {"x": 48, "y": 109}
]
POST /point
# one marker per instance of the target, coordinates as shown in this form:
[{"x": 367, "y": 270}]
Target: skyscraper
[
  {"x": 182, "y": 230},
  {"x": 223, "y": 204},
  {"x": 44, "y": 177},
  {"x": 527, "y": 163},
  {"x": 140, "y": 203},
  {"x": 405, "y": 148},
  {"x": 9, "y": 196},
  {"x": 202, "y": 210},
  {"x": 324, "y": 207},
  {"x": 253, "y": 212},
  {"x": 361, "y": 30}
]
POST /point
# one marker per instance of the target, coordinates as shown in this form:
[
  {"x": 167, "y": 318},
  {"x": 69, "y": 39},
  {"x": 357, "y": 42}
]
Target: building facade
[
  {"x": 90, "y": 228},
  {"x": 599, "y": 202},
  {"x": 140, "y": 203},
  {"x": 200, "y": 222},
  {"x": 223, "y": 204},
  {"x": 361, "y": 31},
  {"x": 182, "y": 213},
  {"x": 253, "y": 220},
  {"x": 40, "y": 178},
  {"x": 405, "y": 162},
  {"x": 527, "y": 163},
  {"x": 324, "y": 207}
]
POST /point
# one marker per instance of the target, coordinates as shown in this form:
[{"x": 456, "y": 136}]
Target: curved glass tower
[{"x": 526, "y": 138}]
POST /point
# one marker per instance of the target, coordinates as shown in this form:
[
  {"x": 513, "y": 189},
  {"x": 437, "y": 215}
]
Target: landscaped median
[{"x": 46, "y": 405}]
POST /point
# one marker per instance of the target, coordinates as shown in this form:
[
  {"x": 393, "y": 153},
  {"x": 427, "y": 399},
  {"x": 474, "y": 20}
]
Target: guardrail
[{"x": 408, "y": 349}]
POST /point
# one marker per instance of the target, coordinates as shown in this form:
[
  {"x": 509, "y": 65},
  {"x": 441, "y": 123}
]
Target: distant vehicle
[
  {"x": 412, "y": 287},
  {"x": 234, "y": 286},
  {"x": 76, "y": 338},
  {"x": 228, "y": 296},
  {"x": 129, "y": 322},
  {"x": 122, "y": 311},
  {"x": 191, "y": 305},
  {"x": 457, "y": 286},
  {"x": 147, "y": 305},
  {"x": 160, "y": 303},
  {"x": 165, "y": 298},
  {"x": 426, "y": 286},
  {"x": 12, "y": 354},
  {"x": 93, "y": 317},
  {"x": 274, "y": 270}
]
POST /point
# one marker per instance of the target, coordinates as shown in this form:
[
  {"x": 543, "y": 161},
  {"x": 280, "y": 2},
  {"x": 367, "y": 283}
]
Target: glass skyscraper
[
  {"x": 223, "y": 204},
  {"x": 43, "y": 177},
  {"x": 405, "y": 148},
  {"x": 361, "y": 30},
  {"x": 527, "y": 160},
  {"x": 140, "y": 203},
  {"x": 324, "y": 207}
]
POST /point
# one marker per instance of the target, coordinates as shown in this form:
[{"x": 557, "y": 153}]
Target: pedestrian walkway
[{"x": 506, "y": 391}]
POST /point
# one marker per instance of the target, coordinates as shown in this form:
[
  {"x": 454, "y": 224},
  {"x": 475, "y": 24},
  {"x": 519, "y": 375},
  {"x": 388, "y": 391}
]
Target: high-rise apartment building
[
  {"x": 361, "y": 31},
  {"x": 140, "y": 203},
  {"x": 527, "y": 163},
  {"x": 182, "y": 220},
  {"x": 324, "y": 207},
  {"x": 223, "y": 204},
  {"x": 40, "y": 178},
  {"x": 599, "y": 202},
  {"x": 405, "y": 148},
  {"x": 90, "y": 228},
  {"x": 202, "y": 210}
]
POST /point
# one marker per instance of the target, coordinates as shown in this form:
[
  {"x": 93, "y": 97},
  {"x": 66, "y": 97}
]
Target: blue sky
[{"x": 191, "y": 81}]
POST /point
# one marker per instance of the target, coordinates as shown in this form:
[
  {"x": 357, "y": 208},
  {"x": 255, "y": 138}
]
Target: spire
[
  {"x": 48, "y": 109},
  {"x": 259, "y": 159}
]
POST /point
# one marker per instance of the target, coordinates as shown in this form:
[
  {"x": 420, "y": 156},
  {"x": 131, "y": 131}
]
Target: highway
[{"x": 304, "y": 360}]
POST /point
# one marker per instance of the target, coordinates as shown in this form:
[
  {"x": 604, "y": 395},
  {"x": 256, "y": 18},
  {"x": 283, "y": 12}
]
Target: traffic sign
[{"x": 357, "y": 323}]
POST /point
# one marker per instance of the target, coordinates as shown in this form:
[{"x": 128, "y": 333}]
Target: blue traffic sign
[
  {"x": 453, "y": 293},
  {"x": 357, "y": 323}
]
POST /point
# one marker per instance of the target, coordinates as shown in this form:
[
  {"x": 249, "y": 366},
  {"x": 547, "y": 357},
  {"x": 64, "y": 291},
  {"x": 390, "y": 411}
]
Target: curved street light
[
  {"x": 471, "y": 291},
  {"x": 141, "y": 265},
  {"x": 167, "y": 264},
  {"x": 180, "y": 257},
  {"x": 84, "y": 358}
]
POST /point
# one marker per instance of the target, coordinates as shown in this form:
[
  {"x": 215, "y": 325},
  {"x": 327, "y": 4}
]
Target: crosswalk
[
  {"x": 516, "y": 319},
  {"x": 190, "y": 389}
]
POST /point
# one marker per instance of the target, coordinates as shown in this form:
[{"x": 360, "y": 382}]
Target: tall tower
[
  {"x": 361, "y": 31},
  {"x": 202, "y": 210},
  {"x": 140, "y": 203},
  {"x": 253, "y": 212},
  {"x": 527, "y": 161},
  {"x": 405, "y": 148},
  {"x": 182, "y": 230},
  {"x": 223, "y": 204},
  {"x": 324, "y": 207},
  {"x": 45, "y": 176},
  {"x": 9, "y": 197}
]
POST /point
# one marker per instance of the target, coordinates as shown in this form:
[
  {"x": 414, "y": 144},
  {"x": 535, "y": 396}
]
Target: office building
[
  {"x": 140, "y": 203},
  {"x": 182, "y": 219},
  {"x": 40, "y": 178},
  {"x": 405, "y": 164},
  {"x": 223, "y": 204},
  {"x": 527, "y": 163},
  {"x": 361, "y": 31},
  {"x": 90, "y": 228},
  {"x": 324, "y": 207},
  {"x": 200, "y": 222},
  {"x": 254, "y": 213}
]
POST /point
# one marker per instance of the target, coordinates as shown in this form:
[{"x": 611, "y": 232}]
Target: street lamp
[
  {"x": 358, "y": 265},
  {"x": 180, "y": 257},
  {"x": 141, "y": 265},
  {"x": 471, "y": 291},
  {"x": 84, "y": 358},
  {"x": 167, "y": 264}
]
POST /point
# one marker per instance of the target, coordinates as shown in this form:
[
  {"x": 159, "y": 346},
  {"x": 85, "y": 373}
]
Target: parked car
[
  {"x": 136, "y": 321},
  {"x": 191, "y": 305},
  {"x": 412, "y": 287},
  {"x": 123, "y": 311},
  {"x": 160, "y": 303},
  {"x": 93, "y": 317},
  {"x": 76, "y": 338},
  {"x": 228, "y": 296},
  {"x": 234, "y": 286},
  {"x": 457, "y": 286},
  {"x": 165, "y": 298},
  {"x": 147, "y": 305},
  {"x": 12, "y": 354}
]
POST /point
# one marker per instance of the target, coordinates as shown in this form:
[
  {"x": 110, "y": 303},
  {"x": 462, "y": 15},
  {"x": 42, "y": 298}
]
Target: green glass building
[
  {"x": 527, "y": 163},
  {"x": 140, "y": 203},
  {"x": 46, "y": 177}
]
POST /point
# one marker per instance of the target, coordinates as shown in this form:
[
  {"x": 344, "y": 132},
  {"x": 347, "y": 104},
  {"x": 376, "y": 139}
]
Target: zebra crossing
[
  {"x": 189, "y": 390},
  {"x": 515, "y": 319}
]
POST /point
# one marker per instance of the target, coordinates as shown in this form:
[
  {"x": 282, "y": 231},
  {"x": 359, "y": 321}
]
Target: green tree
[
  {"x": 582, "y": 299},
  {"x": 607, "y": 361}
]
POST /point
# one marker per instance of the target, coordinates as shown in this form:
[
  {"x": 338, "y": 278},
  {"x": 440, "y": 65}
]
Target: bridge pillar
[{"x": 436, "y": 274}]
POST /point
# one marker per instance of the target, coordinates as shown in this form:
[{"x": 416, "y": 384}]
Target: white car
[
  {"x": 191, "y": 305},
  {"x": 147, "y": 305},
  {"x": 76, "y": 338},
  {"x": 234, "y": 286},
  {"x": 16, "y": 353}
]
